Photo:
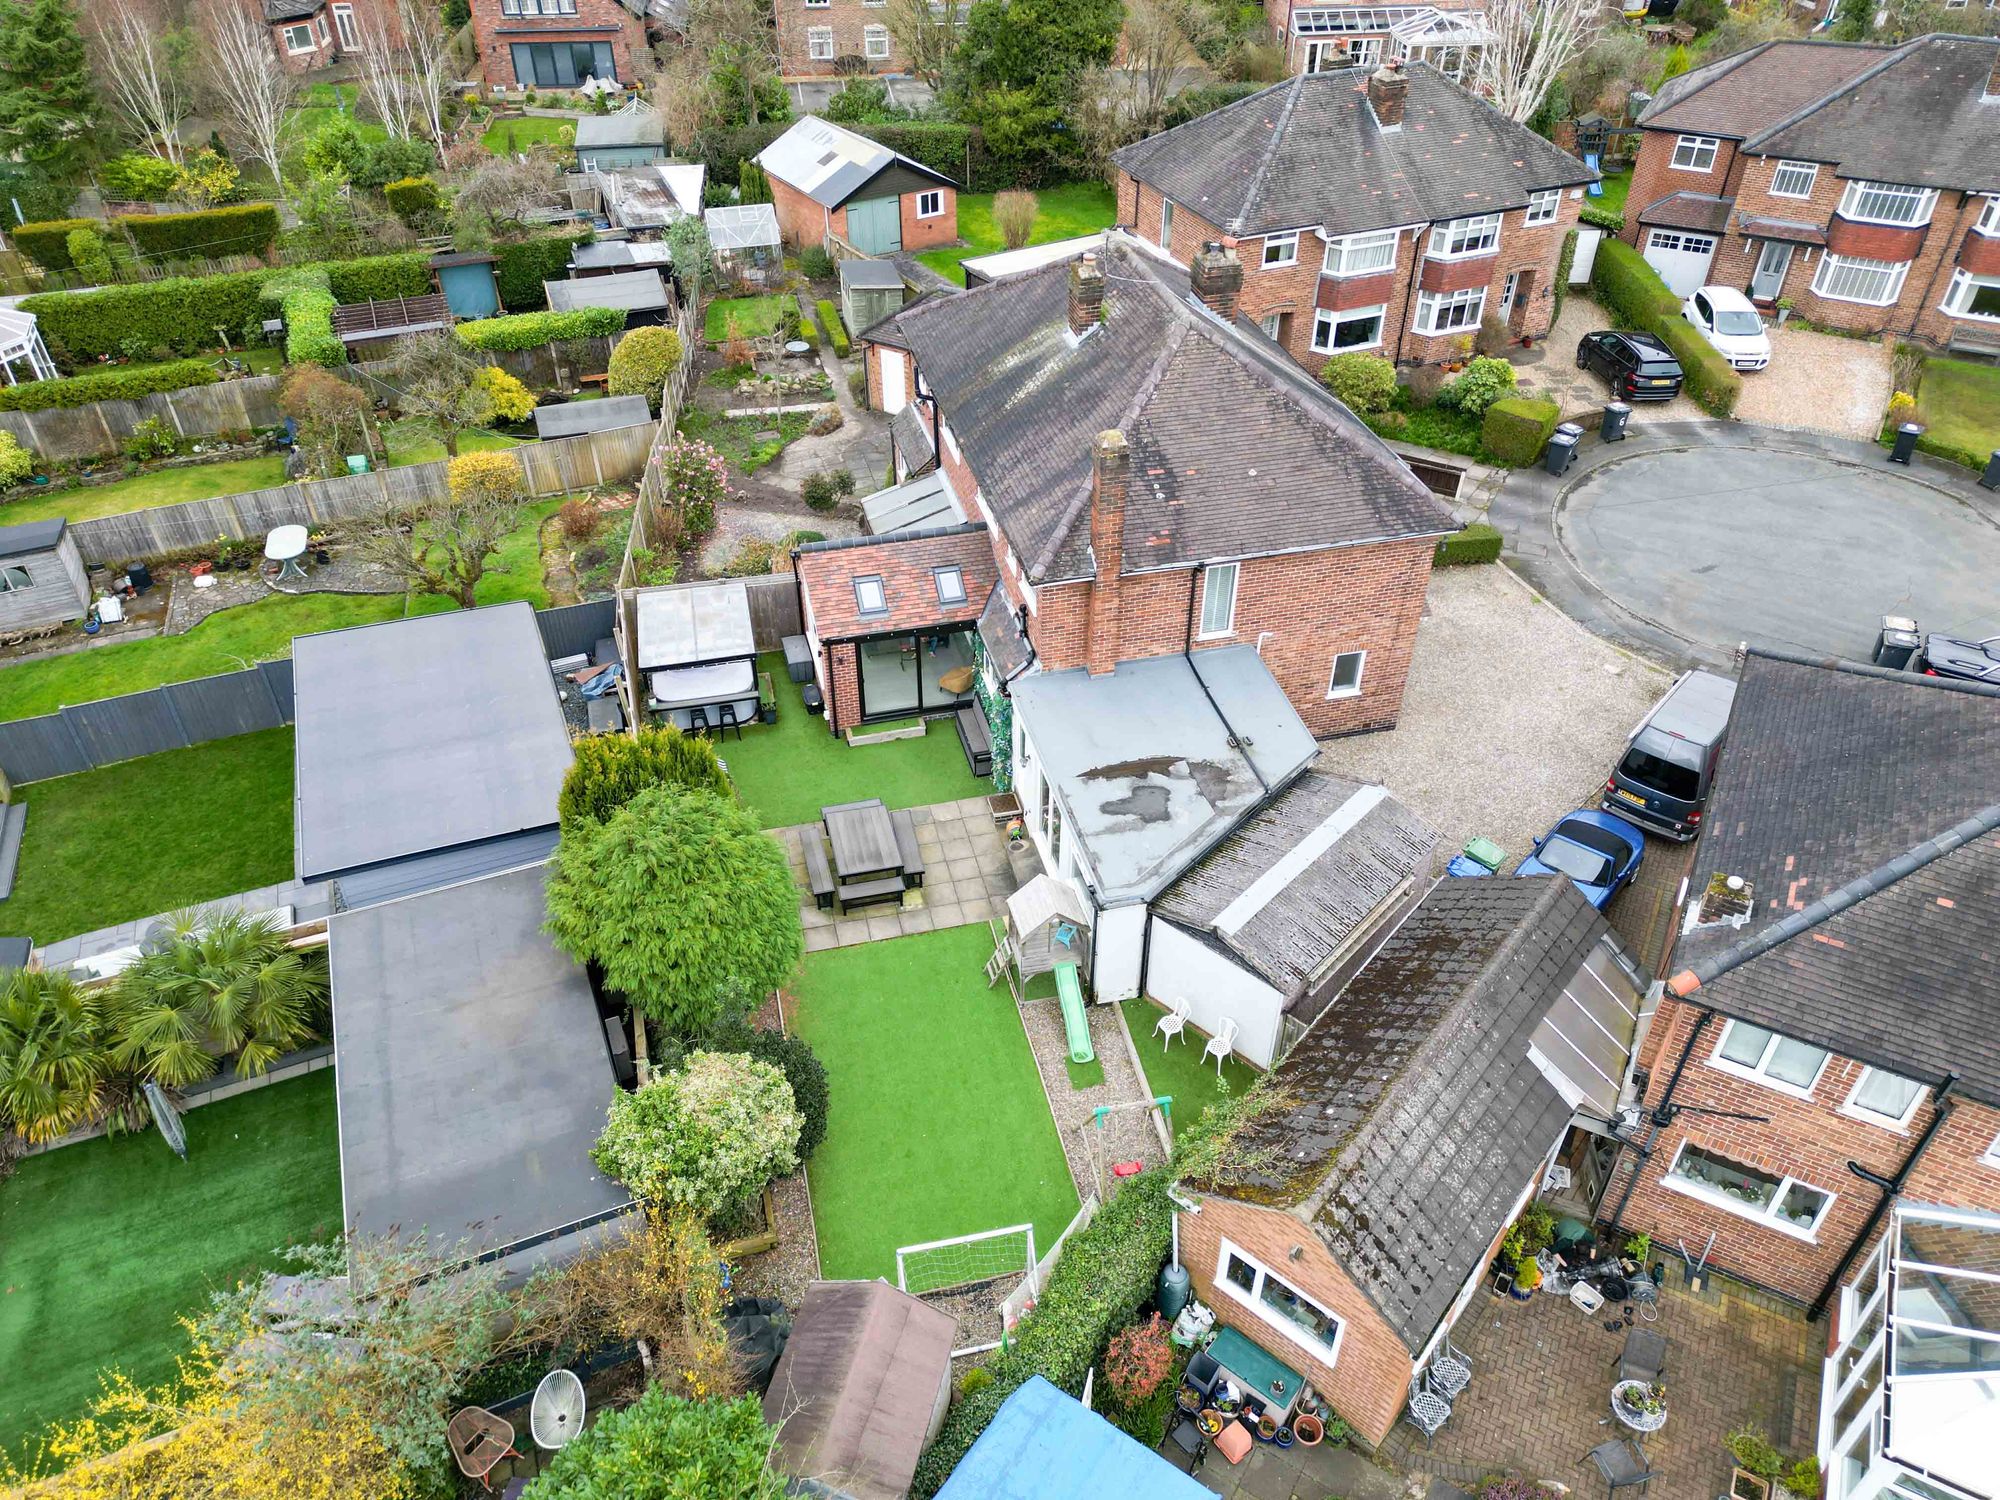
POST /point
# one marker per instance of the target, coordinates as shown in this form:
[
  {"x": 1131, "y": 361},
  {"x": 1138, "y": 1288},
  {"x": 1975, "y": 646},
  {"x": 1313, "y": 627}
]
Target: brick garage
[
  {"x": 495, "y": 33},
  {"x": 822, "y": 175}
]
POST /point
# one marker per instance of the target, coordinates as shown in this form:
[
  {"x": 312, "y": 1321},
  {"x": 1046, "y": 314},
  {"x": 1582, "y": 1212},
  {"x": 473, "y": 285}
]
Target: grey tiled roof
[
  {"x": 291, "y": 10},
  {"x": 1827, "y": 774},
  {"x": 1419, "y": 1116},
  {"x": 1308, "y": 152},
  {"x": 1235, "y": 451},
  {"x": 1703, "y": 211},
  {"x": 1752, "y": 90}
]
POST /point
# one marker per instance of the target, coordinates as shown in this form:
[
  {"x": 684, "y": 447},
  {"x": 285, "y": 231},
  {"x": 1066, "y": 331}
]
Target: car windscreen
[
  {"x": 1744, "y": 324},
  {"x": 1667, "y": 765},
  {"x": 1586, "y": 866}
]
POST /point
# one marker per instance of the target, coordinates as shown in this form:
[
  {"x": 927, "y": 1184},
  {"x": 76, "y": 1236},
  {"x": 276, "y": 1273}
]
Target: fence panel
[
  {"x": 214, "y": 708},
  {"x": 115, "y": 729},
  {"x": 100, "y": 428},
  {"x": 278, "y": 678},
  {"x": 37, "y": 749},
  {"x": 573, "y": 629},
  {"x": 774, "y": 610}
]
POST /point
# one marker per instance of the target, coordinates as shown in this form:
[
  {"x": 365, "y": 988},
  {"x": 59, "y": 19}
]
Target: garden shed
[
  {"x": 467, "y": 281},
  {"x": 642, "y": 294},
  {"x": 21, "y": 342},
  {"x": 862, "y": 1386},
  {"x": 42, "y": 579},
  {"x": 744, "y": 237},
  {"x": 870, "y": 290},
  {"x": 571, "y": 418},
  {"x": 1044, "y": 1444},
  {"x": 628, "y": 137},
  {"x": 604, "y": 257}
]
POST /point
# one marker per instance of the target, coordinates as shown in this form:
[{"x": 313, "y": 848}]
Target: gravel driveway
[
  {"x": 1512, "y": 716},
  {"x": 1577, "y": 391},
  {"x": 1818, "y": 382}
]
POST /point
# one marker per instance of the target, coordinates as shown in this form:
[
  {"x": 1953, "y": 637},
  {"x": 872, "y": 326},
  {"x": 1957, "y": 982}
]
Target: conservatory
[
  {"x": 21, "y": 340},
  {"x": 1911, "y": 1395}
]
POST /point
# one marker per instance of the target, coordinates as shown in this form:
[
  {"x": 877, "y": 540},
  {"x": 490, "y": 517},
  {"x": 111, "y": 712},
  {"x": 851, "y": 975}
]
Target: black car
[
  {"x": 1639, "y": 366},
  {"x": 1974, "y": 661}
]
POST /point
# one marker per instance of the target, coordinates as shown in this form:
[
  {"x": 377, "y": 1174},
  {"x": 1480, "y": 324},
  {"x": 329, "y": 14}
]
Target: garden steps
[{"x": 12, "y": 823}]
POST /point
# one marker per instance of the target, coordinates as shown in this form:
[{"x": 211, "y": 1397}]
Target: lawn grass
[
  {"x": 411, "y": 442},
  {"x": 735, "y": 438},
  {"x": 104, "y": 1245},
  {"x": 1064, "y": 212},
  {"x": 786, "y": 772},
  {"x": 936, "y": 1124},
  {"x": 182, "y": 826},
  {"x": 1616, "y": 185},
  {"x": 1178, "y": 1070},
  {"x": 1961, "y": 402},
  {"x": 506, "y": 136},
  {"x": 755, "y": 316}
]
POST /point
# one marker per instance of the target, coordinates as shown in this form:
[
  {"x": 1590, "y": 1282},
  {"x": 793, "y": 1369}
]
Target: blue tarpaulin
[{"x": 1044, "y": 1445}]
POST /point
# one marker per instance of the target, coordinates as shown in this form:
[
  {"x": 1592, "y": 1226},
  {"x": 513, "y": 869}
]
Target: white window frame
[
  {"x": 292, "y": 46},
  {"x": 1756, "y": 1074},
  {"x": 1462, "y": 239},
  {"x": 819, "y": 43},
  {"x": 1326, "y": 327},
  {"x": 8, "y": 585},
  {"x": 1364, "y": 51},
  {"x": 1769, "y": 1217},
  {"x": 1988, "y": 223},
  {"x": 1831, "y": 266},
  {"x": 818, "y": 4},
  {"x": 1922, "y": 202},
  {"x": 1958, "y": 295},
  {"x": 881, "y": 591},
  {"x": 346, "y": 27},
  {"x": 319, "y": 27},
  {"x": 1543, "y": 207},
  {"x": 1327, "y": 1354},
  {"x": 1810, "y": 168},
  {"x": 1360, "y": 659},
  {"x": 1231, "y": 571},
  {"x": 1166, "y": 224},
  {"x": 956, "y": 575},
  {"x": 874, "y": 4},
  {"x": 1431, "y": 304},
  {"x": 1340, "y": 253},
  {"x": 933, "y": 196},
  {"x": 1701, "y": 152},
  {"x": 1286, "y": 248},
  {"x": 1861, "y": 1112},
  {"x": 1992, "y": 1156},
  {"x": 875, "y": 43}
]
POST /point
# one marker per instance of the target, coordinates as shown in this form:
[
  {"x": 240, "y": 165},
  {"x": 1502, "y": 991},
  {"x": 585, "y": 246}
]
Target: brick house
[
  {"x": 1354, "y": 34},
  {"x": 828, "y": 180},
  {"x": 1861, "y": 182},
  {"x": 1428, "y": 1104},
  {"x": 821, "y": 38},
  {"x": 556, "y": 44},
  {"x": 1828, "y": 1043},
  {"x": 1385, "y": 211},
  {"x": 312, "y": 34}
]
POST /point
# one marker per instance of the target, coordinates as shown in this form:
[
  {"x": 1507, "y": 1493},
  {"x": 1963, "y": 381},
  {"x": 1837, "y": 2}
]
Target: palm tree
[
  {"x": 52, "y": 1055},
  {"x": 219, "y": 985}
]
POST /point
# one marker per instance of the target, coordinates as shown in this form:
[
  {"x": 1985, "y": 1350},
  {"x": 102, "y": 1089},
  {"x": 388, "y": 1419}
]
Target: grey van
[{"x": 1661, "y": 781}]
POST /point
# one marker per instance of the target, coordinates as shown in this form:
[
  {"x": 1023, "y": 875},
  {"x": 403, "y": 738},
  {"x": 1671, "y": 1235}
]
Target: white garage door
[{"x": 1680, "y": 258}]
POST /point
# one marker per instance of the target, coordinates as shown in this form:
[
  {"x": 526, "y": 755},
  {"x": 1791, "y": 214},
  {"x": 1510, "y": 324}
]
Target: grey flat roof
[
  {"x": 573, "y": 417},
  {"x": 684, "y": 626},
  {"x": 1029, "y": 258},
  {"x": 471, "y": 1069},
  {"x": 635, "y": 253},
  {"x": 425, "y": 734},
  {"x": 1147, "y": 770},
  {"x": 874, "y": 275},
  {"x": 913, "y": 505},
  {"x": 635, "y": 291},
  {"x": 31, "y": 536}
]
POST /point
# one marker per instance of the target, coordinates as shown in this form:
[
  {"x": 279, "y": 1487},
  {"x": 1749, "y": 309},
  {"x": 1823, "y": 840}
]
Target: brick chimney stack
[
  {"x": 1993, "y": 79},
  {"x": 1086, "y": 293},
  {"x": 1217, "y": 279},
  {"x": 1110, "y": 464},
  {"x": 1388, "y": 90}
]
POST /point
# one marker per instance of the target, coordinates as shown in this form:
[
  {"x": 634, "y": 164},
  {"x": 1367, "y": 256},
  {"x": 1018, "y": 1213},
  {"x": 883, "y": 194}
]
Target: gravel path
[
  {"x": 736, "y": 524},
  {"x": 1127, "y": 1135},
  {"x": 346, "y": 574},
  {"x": 1819, "y": 382},
  {"x": 1501, "y": 752}
]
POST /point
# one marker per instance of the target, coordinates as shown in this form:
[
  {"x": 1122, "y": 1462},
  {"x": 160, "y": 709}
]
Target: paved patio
[
  {"x": 966, "y": 878},
  {"x": 1296, "y": 1473},
  {"x": 1542, "y": 1374}
]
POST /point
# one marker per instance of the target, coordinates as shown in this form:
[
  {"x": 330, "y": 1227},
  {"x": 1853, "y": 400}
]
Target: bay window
[
  {"x": 1784, "y": 1203},
  {"x": 1361, "y": 254},
  {"x": 1969, "y": 296},
  {"x": 1247, "y": 1280},
  {"x": 1356, "y": 328},
  {"x": 1989, "y": 218},
  {"x": 1848, "y": 278},
  {"x": 1887, "y": 203},
  {"x": 1463, "y": 237},
  {"x": 1447, "y": 312}
]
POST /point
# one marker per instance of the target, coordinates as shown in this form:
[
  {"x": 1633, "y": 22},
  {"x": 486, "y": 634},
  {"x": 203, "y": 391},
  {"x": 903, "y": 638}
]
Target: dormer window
[
  {"x": 950, "y": 585},
  {"x": 870, "y": 598}
]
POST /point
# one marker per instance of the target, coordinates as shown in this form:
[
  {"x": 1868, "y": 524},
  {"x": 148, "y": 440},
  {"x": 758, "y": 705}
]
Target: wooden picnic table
[{"x": 863, "y": 838}]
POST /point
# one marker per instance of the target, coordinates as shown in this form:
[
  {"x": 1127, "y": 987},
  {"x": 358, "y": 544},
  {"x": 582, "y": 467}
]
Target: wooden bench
[
  {"x": 974, "y": 739},
  {"x": 819, "y": 874},
  {"x": 595, "y": 379},
  {"x": 868, "y": 892},
  {"x": 906, "y": 849}
]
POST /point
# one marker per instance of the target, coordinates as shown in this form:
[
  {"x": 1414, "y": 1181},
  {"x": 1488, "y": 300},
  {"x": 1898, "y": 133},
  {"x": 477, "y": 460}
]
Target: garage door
[
  {"x": 875, "y": 225},
  {"x": 1680, "y": 258}
]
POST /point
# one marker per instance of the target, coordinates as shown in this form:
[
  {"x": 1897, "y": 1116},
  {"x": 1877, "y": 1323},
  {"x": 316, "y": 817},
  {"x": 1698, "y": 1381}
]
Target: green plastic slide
[{"x": 1074, "y": 1021}]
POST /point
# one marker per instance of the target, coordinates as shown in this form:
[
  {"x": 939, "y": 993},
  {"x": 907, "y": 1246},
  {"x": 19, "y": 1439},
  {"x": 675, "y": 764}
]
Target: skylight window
[
  {"x": 869, "y": 596},
  {"x": 950, "y": 585}
]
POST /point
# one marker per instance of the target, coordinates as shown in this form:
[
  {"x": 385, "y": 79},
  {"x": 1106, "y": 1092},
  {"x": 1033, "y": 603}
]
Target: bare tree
[
  {"x": 406, "y": 79},
  {"x": 1531, "y": 43},
  {"x": 1161, "y": 38},
  {"x": 737, "y": 50},
  {"x": 435, "y": 379},
  {"x": 928, "y": 32},
  {"x": 444, "y": 547},
  {"x": 390, "y": 91},
  {"x": 138, "y": 54},
  {"x": 251, "y": 88}
]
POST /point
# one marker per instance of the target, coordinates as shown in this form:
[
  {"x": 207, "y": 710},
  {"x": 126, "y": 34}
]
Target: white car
[{"x": 1726, "y": 319}]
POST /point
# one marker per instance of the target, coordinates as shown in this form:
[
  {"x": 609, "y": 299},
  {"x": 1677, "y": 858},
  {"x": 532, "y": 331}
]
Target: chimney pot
[
  {"x": 1217, "y": 278},
  {"x": 1388, "y": 91},
  {"x": 1086, "y": 293}
]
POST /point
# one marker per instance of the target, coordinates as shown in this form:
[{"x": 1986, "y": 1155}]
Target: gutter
[{"x": 1891, "y": 1189}]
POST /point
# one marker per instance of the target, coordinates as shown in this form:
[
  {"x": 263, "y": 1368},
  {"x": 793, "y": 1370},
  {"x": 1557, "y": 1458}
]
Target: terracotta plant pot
[
  {"x": 1308, "y": 1429},
  {"x": 1267, "y": 1427}
]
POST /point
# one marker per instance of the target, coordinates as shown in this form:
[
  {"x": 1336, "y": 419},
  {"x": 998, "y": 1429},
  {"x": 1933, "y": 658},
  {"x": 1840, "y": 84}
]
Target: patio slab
[
  {"x": 1296, "y": 1473},
  {"x": 955, "y": 891}
]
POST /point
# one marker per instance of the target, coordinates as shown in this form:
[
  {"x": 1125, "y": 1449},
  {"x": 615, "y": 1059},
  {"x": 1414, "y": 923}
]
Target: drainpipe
[
  {"x": 1187, "y": 655},
  {"x": 1891, "y": 1189},
  {"x": 1958, "y": 230},
  {"x": 1661, "y": 1115},
  {"x": 1410, "y": 291}
]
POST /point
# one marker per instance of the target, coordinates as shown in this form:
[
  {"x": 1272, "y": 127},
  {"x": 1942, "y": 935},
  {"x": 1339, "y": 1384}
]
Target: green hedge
[
  {"x": 1601, "y": 218},
  {"x": 1639, "y": 299},
  {"x": 1105, "y": 1274},
  {"x": 526, "y": 264},
  {"x": 533, "y": 330},
  {"x": 1706, "y": 374},
  {"x": 1563, "y": 263},
  {"x": 182, "y": 312},
  {"x": 1516, "y": 429},
  {"x": 47, "y": 243},
  {"x": 241, "y": 229},
  {"x": 107, "y": 385},
  {"x": 836, "y": 331},
  {"x": 808, "y": 330},
  {"x": 307, "y": 305},
  {"x": 1478, "y": 543}
]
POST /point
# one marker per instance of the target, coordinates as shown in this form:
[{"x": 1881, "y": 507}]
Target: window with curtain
[{"x": 1769, "y": 1057}]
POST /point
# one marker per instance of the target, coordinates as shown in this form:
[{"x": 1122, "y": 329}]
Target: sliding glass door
[{"x": 926, "y": 673}]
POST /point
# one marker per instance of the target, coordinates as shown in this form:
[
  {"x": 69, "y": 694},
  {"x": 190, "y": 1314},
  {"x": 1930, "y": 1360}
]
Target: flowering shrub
[
  {"x": 708, "y": 1136},
  {"x": 16, "y": 462},
  {"x": 512, "y": 401},
  {"x": 1138, "y": 1360},
  {"x": 694, "y": 481}
]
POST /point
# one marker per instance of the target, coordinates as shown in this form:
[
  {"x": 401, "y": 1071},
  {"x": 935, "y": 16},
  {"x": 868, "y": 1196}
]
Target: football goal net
[{"x": 966, "y": 1260}]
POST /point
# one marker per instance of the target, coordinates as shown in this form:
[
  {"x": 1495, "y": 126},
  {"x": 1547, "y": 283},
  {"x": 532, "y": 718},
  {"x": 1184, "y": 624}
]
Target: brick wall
[
  {"x": 1806, "y": 1138},
  {"x": 1370, "y": 1378},
  {"x": 839, "y": 672},
  {"x": 322, "y": 53},
  {"x": 848, "y": 20},
  {"x": 595, "y": 21},
  {"x": 1654, "y": 177},
  {"x": 801, "y": 221},
  {"x": 939, "y": 229}
]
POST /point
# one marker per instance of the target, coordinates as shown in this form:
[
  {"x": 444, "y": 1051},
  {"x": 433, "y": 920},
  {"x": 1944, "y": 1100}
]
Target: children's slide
[
  {"x": 1596, "y": 189},
  {"x": 1075, "y": 1023}
]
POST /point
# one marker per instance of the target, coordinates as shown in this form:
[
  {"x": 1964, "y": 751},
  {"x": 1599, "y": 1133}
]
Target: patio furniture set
[
  {"x": 1234, "y": 1395},
  {"x": 874, "y": 856}
]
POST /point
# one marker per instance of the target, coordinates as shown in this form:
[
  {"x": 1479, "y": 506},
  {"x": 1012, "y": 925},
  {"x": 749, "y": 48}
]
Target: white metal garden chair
[
  {"x": 1221, "y": 1045},
  {"x": 1173, "y": 1023}
]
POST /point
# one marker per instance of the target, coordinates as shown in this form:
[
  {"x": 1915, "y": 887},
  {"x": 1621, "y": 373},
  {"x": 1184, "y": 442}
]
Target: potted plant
[
  {"x": 1527, "y": 1277},
  {"x": 1784, "y": 310},
  {"x": 1640, "y": 1404},
  {"x": 1267, "y": 1427},
  {"x": 1308, "y": 1429}
]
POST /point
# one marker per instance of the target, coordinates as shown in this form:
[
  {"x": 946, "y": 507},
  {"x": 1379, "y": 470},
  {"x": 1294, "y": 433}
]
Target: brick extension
[{"x": 494, "y": 33}]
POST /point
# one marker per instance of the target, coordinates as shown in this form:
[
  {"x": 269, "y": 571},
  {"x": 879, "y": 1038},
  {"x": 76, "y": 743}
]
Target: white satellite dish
[{"x": 556, "y": 1415}]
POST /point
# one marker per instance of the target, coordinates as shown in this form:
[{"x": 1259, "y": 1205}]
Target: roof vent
[{"x": 1726, "y": 903}]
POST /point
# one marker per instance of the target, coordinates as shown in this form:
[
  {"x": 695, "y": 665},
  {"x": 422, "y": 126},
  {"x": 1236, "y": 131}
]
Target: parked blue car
[{"x": 1597, "y": 851}]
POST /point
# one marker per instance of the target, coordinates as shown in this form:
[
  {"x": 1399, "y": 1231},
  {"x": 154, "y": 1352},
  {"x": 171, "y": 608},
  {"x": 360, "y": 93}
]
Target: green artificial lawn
[
  {"x": 506, "y": 136},
  {"x": 1961, "y": 402},
  {"x": 1178, "y": 1071},
  {"x": 755, "y": 316},
  {"x": 187, "y": 825},
  {"x": 937, "y": 1124},
  {"x": 788, "y": 771},
  {"x": 103, "y": 1246},
  {"x": 1062, "y": 213}
]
